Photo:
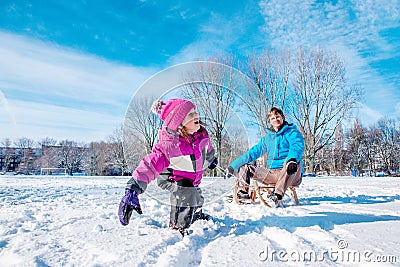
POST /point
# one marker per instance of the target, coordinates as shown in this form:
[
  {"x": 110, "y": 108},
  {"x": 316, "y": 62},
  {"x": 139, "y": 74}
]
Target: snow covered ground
[{"x": 72, "y": 221}]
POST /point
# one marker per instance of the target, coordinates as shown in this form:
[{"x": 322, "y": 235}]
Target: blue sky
[{"x": 68, "y": 69}]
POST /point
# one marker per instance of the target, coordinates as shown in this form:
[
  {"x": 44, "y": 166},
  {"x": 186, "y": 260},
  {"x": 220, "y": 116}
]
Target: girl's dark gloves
[{"x": 129, "y": 203}]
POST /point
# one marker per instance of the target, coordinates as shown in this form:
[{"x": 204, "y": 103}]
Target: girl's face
[{"x": 191, "y": 122}]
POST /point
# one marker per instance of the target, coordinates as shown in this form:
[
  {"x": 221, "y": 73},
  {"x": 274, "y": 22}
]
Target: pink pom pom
[{"x": 156, "y": 107}]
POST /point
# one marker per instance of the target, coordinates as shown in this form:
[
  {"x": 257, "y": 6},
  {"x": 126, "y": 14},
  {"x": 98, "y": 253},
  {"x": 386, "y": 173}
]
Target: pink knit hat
[{"x": 173, "y": 111}]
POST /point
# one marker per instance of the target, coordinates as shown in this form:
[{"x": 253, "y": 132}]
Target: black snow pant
[
  {"x": 186, "y": 199},
  {"x": 186, "y": 203}
]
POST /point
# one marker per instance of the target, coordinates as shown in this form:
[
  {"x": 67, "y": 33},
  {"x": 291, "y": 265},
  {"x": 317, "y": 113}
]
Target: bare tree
[
  {"x": 72, "y": 155},
  {"x": 396, "y": 163},
  {"x": 370, "y": 150},
  {"x": 24, "y": 142},
  {"x": 387, "y": 146},
  {"x": 117, "y": 150},
  {"x": 332, "y": 157},
  {"x": 97, "y": 158},
  {"x": 270, "y": 74},
  {"x": 141, "y": 124},
  {"x": 375, "y": 142},
  {"x": 234, "y": 144},
  {"x": 47, "y": 141},
  {"x": 92, "y": 164},
  {"x": 6, "y": 153},
  {"x": 49, "y": 157},
  {"x": 25, "y": 146},
  {"x": 358, "y": 153},
  {"x": 212, "y": 88},
  {"x": 338, "y": 154},
  {"x": 321, "y": 99}
]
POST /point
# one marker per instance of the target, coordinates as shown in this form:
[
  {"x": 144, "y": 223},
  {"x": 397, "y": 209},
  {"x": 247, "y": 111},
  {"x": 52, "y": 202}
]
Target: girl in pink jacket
[{"x": 177, "y": 162}]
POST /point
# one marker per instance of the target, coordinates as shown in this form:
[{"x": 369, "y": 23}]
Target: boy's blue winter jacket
[{"x": 280, "y": 146}]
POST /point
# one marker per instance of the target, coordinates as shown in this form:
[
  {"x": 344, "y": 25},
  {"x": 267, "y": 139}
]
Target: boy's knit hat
[{"x": 173, "y": 111}]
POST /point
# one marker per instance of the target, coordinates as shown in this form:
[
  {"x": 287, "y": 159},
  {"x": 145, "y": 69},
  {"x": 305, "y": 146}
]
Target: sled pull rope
[{"x": 222, "y": 170}]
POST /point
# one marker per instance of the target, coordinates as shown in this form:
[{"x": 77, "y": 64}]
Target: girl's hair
[
  {"x": 274, "y": 111},
  {"x": 183, "y": 132}
]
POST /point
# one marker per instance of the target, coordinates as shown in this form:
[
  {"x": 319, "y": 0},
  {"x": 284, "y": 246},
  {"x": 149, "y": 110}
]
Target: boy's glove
[
  {"x": 213, "y": 164},
  {"x": 229, "y": 172},
  {"x": 129, "y": 202},
  {"x": 291, "y": 166}
]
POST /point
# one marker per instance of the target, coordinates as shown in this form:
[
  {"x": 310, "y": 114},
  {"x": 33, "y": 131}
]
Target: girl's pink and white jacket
[{"x": 181, "y": 158}]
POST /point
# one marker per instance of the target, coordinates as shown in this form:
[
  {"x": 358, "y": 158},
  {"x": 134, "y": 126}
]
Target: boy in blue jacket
[{"x": 284, "y": 145}]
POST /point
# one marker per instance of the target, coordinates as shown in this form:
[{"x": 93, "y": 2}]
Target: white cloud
[
  {"x": 216, "y": 36},
  {"x": 32, "y": 66},
  {"x": 47, "y": 89},
  {"x": 368, "y": 116},
  {"x": 36, "y": 121},
  {"x": 6, "y": 109},
  {"x": 309, "y": 22},
  {"x": 353, "y": 29}
]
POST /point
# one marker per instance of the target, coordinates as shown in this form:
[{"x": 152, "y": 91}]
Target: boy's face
[
  {"x": 276, "y": 120},
  {"x": 192, "y": 122}
]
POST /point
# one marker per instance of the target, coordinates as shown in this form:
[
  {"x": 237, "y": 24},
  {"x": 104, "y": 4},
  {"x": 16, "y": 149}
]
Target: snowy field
[{"x": 72, "y": 221}]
